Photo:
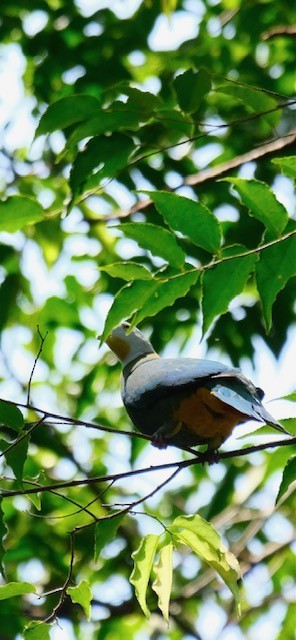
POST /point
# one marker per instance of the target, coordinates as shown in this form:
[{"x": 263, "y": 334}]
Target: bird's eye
[{"x": 125, "y": 325}]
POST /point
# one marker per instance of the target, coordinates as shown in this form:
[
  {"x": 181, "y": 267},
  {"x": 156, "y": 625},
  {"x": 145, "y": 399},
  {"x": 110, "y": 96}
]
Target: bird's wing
[{"x": 153, "y": 379}]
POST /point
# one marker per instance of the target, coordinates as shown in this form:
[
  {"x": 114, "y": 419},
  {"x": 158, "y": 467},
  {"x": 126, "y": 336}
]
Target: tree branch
[
  {"x": 53, "y": 614},
  {"x": 35, "y": 363},
  {"x": 200, "y": 458},
  {"x": 212, "y": 173}
]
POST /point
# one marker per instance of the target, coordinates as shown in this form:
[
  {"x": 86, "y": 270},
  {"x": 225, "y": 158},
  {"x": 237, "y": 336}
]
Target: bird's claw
[{"x": 159, "y": 441}]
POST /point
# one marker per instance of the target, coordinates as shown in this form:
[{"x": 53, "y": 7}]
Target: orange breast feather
[{"x": 207, "y": 416}]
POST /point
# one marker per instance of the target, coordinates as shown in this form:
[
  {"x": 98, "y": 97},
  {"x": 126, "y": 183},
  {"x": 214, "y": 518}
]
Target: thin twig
[
  {"x": 63, "y": 594},
  {"x": 42, "y": 338},
  {"x": 22, "y": 436}
]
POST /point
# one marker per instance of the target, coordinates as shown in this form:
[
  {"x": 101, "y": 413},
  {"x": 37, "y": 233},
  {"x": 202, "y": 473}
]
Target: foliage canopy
[{"x": 156, "y": 189}]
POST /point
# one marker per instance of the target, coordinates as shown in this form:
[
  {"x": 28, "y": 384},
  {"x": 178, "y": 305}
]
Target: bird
[{"x": 183, "y": 401}]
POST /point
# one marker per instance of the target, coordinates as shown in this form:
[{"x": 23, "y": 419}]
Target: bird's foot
[
  {"x": 211, "y": 456},
  {"x": 159, "y": 441}
]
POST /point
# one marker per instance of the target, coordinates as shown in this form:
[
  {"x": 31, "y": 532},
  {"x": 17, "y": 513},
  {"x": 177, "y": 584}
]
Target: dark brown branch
[
  {"x": 199, "y": 459},
  {"x": 63, "y": 595}
]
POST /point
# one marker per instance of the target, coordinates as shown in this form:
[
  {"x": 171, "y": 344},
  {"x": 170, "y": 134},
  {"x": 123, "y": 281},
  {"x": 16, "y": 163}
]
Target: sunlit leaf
[
  {"x": 143, "y": 560},
  {"x": 162, "y": 584},
  {"x": 12, "y": 589},
  {"x": 36, "y": 631},
  {"x": 287, "y": 165},
  {"x": 127, "y": 271},
  {"x": 262, "y": 203},
  {"x": 191, "y": 218},
  {"x": 205, "y": 541},
  {"x": 159, "y": 241},
  {"x": 18, "y": 211},
  {"x": 81, "y": 594},
  {"x": 289, "y": 477}
]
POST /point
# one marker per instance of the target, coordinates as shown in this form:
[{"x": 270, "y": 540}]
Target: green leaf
[
  {"x": 262, "y": 203},
  {"x": 165, "y": 295},
  {"x": 143, "y": 560},
  {"x": 117, "y": 118},
  {"x": 276, "y": 266},
  {"x": 190, "y": 218},
  {"x": 162, "y": 584},
  {"x": 127, "y": 271},
  {"x": 81, "y": 594},
  {"x": 143, "y": 102},
  {"x": 67, "y": 111},
  {"x": 18, "y": 211},
  {"x": 175, "y": 122},
  {"x": 102, "y": 157},
  {"x": 290, "y": 396},
  {"x": 105, "y": 531},
  {"x": 190, "y": 88},
  {"x": 222, "y": 282},
  {"x": 16, "y": 457},
  {"x": 3, "y": 533},
  {"x": 205, "y": 541},
  {"x": 37, "y": 631},
  {"x": 289, "y": 477},
  {"x": 12, "y": 589},
  {"x": 287, "y": 165},
  {"x": 11, "y": 416},
  {"x": 128, "y": 300},
  {"x": 254, "y": 98},
  {"x": 159, "y": 241}
]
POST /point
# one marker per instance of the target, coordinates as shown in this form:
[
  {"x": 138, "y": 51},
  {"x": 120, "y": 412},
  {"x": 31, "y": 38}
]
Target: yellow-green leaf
[
  {"x": 36, "y": 631},
  {"x": 143, "y": 560},
  {"x": 287, "y": 165},
  {"x": 162, "y": 584},
  {"x": 127, "y": 271},
  {"x": 12, "y": 589},
  {"x": 81, "y": 594},
  {"x": 18, "y": 211},
  {"x": 205, "y": 541}
]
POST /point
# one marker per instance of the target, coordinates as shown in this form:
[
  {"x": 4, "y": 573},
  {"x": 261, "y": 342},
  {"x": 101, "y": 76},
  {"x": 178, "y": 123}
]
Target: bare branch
[
  {"x": 53, "y": 614},
  {"x": 42, "y": 338},
  {"x": 282, "y": 30},
  {"x": 264, "y": 150},
  {"x": 200, "y": 458}
]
